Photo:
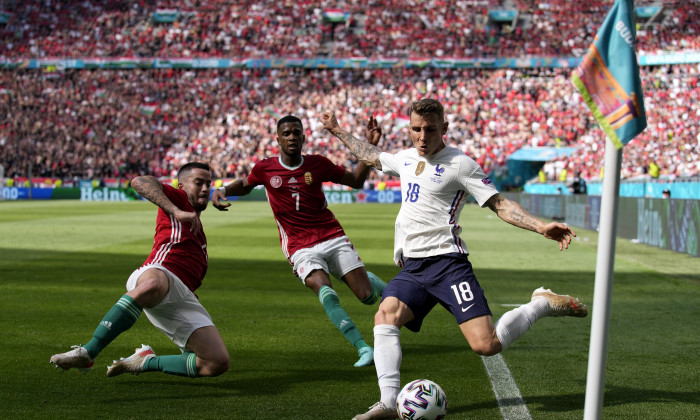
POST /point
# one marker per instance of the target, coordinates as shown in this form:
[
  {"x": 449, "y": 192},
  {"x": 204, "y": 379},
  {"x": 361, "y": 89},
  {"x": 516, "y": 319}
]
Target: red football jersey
[
  {"x": 297, "y": 200},
  {"x": 175, "y": 247}
]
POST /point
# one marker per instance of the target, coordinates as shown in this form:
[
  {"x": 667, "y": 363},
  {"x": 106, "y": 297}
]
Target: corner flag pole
[
  {"x": 602, "y": 293},
  {"x": 609, "y": 82}
]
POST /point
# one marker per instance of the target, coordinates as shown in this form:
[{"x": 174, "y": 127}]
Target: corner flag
[{"x": 608, "y": 77}]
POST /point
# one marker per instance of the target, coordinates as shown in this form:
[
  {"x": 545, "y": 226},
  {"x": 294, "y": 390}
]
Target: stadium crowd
[
  {"x": 265, "y": 28},
  {"x": 71, "y": 124},
  {"x": 121, "y": 123}
]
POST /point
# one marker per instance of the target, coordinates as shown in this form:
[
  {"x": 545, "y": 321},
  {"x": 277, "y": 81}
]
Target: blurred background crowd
[
  {"x": 85, "y": 124},
  {"x": 304, "y": 28}
]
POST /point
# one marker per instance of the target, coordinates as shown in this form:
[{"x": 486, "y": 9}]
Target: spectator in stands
[
  {"x": 265, "y": 28},
  {"x": 84, "y": 124}
]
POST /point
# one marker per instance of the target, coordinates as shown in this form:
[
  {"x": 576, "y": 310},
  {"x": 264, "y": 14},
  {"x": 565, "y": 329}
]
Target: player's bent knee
[
  {"x": 486, "y": 348},
  {"x": 149, "y": 291},
  {"x": 215, "y": 367}
]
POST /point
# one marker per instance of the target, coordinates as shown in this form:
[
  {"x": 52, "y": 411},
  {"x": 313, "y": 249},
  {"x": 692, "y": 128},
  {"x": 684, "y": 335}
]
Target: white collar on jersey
[{"x": 290, "y": 167}]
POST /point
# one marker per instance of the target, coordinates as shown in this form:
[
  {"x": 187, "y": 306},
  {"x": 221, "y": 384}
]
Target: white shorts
[
  {"x": 336, "y": 256},
  {"x": 179, "y": 314}
]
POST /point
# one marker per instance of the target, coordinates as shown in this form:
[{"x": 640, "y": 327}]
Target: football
[{"x": 421, "y": 399}]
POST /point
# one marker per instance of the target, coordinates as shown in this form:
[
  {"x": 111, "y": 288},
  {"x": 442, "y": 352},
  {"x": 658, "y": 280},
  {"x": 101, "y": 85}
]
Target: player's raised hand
[
  {"x": 216, "y": 200},
  {"x": 560, "y": 233},
  {"x": 373, "y": 132},
  {"x": 329, "y": 121}
]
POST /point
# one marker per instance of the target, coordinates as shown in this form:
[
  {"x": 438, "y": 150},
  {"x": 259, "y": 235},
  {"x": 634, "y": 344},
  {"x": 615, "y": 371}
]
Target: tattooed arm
[
  {"x": 364, "y": 151},
  {"x": 511, "y": 212},
  {"x": 152, "y": 190}
]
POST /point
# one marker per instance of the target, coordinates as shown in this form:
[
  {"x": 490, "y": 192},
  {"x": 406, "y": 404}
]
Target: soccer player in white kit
[{"x": 435, "y": 182}]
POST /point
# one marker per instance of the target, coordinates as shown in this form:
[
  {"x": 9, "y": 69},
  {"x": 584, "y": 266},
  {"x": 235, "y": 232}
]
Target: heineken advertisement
[
  {"x": 87, "y": 192},
  {"x": 84, "y": 193},
  {"x": 672, "y": 224},
  {"x": 55, "y": 64}
]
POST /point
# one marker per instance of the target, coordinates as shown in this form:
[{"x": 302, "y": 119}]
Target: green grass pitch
[{"x": 64, "y": 264}]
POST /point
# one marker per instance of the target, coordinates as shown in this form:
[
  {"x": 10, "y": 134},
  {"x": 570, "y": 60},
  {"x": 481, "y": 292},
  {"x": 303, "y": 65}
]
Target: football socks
[
  {"x": 337, "y": 315},
  {"x": 377, "y": 288},
  {"x": 387, "y": 361},
  {"x": 184, "y": 364},
  {"x": 120, "y": 318},
  {"x": 516, "y": 322}
]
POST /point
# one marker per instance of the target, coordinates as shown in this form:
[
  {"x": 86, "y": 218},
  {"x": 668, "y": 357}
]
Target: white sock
[
  {"x": 387, "y": 361},
  {"x": 516, "y": 322}
]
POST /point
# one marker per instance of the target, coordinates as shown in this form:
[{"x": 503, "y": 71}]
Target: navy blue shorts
[{"x": 446, "y": 279}]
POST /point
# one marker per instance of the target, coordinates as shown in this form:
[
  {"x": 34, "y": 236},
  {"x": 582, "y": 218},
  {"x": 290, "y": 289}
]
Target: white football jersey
[{"x": 433, "y": 190}]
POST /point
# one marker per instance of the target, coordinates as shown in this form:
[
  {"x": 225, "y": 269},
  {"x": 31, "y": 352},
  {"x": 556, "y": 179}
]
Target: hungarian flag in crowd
[
  {"x": 148, "y": 109},
  {"x": 608, "y": 77},
  {"x": 401, "y": 121},
  {"x": 335, "y": 15},
  {"x": 271, "y": 112}
]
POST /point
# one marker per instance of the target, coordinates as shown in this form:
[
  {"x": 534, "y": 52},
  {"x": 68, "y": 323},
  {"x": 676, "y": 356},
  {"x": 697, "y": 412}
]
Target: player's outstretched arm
[
  {"x": 356, "y": 179},
  {"x": 236, "y": 188},
  {"x": 513, "y": 213},
  {"x": 364, "y": 151},
  {"x": 152, "y": 190}
]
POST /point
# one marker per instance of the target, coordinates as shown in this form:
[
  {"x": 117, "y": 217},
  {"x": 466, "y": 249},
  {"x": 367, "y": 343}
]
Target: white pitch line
[{"x": 510, "y": 402}]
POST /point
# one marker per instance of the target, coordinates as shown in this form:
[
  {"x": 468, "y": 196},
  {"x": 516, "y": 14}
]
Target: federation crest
[
  {"x": 438, "y": 170},
  {"x": 420, "y": 168},
  {"x": 308, "y": 178},
  {"x": 275, "y": 181}
]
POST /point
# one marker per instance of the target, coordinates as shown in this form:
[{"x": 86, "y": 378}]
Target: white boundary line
[{"x": 510, "y": 402}]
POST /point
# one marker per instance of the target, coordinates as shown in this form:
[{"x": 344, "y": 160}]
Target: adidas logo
[
  {"x": 343, "y": 323},
  {"x": 107, "y": 324},
  {"x": 292, "y": 180}
]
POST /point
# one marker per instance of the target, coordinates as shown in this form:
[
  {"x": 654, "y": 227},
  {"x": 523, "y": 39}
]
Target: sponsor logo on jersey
[
  {"x": 275, "y": 181},
  {"x": 486, "y": 181},
  {"x": 420, "y": 168},
  {"x": 308, "y": 178},
  {"x": 292, "y": 180}
]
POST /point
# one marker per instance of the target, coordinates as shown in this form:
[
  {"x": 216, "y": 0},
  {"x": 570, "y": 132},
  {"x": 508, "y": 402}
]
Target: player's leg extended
[
  {"x": 387, "y": 357},
  {"x": 184, "y": 320},
  {"x": 152, "y": 285},
  {"x": 320, "y": 283},
  {"x": 208, "y": 357},
  {"x": 390, "y": 317},
  {"x": 488, "y": 340}
]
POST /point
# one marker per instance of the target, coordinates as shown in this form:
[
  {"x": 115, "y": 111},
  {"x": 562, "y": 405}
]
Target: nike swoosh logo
[
  {"x": 407, "y": 163},
  {"x": 467, "y": 308}
]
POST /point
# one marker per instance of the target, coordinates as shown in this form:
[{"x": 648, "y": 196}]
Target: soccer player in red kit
[
  {"x": 163, "y": 287},
  {"x": 312, "y": 239}
]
